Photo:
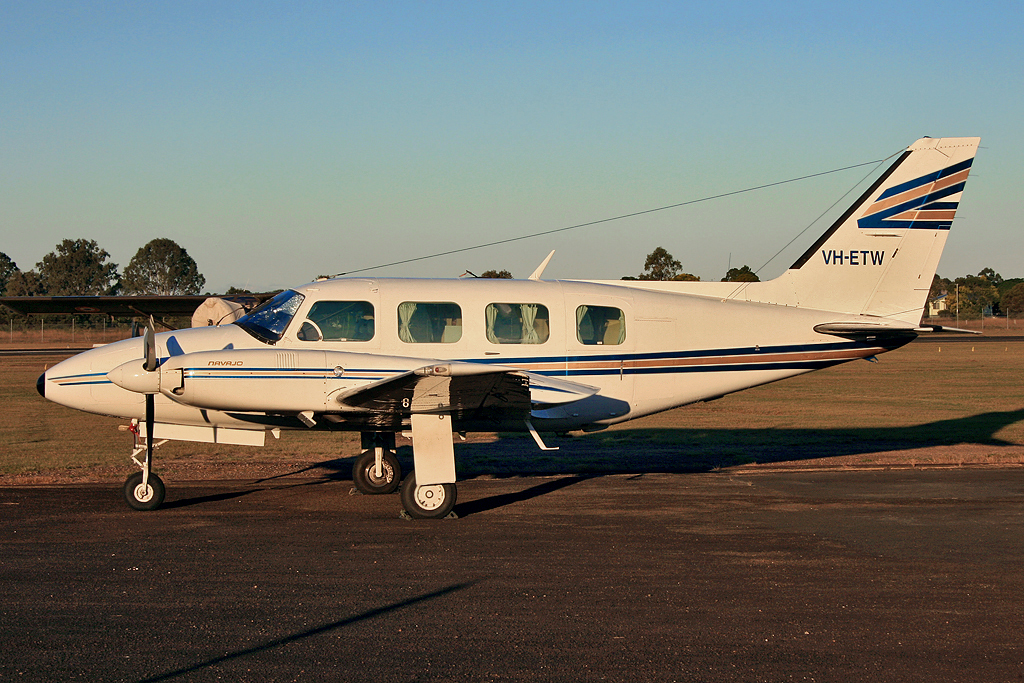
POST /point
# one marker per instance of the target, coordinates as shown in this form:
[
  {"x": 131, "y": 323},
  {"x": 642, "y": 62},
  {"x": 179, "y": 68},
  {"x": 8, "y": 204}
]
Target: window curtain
[
  {"x": 529, "y": 313},
  {"x": 492, "y": 315},
  {"x": 405, "y": 311},
  {"x": 585, "y": 336}
]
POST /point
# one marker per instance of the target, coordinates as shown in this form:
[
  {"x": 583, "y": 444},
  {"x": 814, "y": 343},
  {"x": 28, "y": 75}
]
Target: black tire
[
  {"x": 143, "y": 499},
  {"x": 428, "y": 502},
  {"x": 365, "y": 480}
]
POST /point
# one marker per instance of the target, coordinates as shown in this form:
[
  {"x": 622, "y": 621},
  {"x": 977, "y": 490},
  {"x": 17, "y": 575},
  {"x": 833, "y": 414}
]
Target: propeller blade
[
  {"x": 149, "y": 339},
  {"x": 150, "y": 419}
]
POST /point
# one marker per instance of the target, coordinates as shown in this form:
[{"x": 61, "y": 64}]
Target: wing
[{"x": 465, "y": 390}]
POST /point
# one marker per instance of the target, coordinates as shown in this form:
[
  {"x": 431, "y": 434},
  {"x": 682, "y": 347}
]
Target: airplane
[{"x": 429, "y": 358}]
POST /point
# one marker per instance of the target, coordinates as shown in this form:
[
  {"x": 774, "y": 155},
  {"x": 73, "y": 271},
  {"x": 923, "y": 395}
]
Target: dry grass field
[{"x": 935, "y": 403}]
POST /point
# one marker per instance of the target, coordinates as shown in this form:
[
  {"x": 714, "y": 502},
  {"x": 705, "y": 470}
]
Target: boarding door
[{"x": 600, "y": 344}]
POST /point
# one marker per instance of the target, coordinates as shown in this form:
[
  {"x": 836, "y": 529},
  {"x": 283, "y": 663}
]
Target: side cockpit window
[
  {"x": 429, "y": 322},
  {"x": 517, "y": 323},
  {"x": 600, "y": 325},
  {"x": 268, "y": 322},
  {"x": 338, "y": 321}
]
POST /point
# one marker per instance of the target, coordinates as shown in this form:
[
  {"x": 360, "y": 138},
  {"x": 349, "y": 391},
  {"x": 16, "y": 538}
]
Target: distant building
[{"x": 937, "y": 305}]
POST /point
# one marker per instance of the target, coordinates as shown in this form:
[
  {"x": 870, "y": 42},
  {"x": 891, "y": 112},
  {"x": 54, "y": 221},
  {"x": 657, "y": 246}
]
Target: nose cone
[{"x": 41, "y": 385}]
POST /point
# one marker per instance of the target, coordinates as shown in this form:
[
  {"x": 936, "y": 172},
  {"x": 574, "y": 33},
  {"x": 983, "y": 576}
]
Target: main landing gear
[
  {"x": 369, "y": 479},
  {"x": 435, "y": 501},
  {"x": 377, "y": 471}
]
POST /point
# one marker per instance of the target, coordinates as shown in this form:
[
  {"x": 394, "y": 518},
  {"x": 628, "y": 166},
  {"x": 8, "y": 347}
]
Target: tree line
[
  {"x": 969, "y": 296},
  {"x": 972, "y": 296},
  {"x": 81, "y": 268},
  {"x": 661, "y": 265}
]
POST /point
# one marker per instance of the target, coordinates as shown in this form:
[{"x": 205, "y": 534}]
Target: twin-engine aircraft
[{"x": 434, "y": 357}]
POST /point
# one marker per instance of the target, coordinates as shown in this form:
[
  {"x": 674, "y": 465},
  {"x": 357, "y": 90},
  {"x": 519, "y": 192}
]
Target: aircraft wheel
[
  {"x": 141, "y": 497},
  {"x": 364, "y": 473},
  {"x": 427, "y": 502}
]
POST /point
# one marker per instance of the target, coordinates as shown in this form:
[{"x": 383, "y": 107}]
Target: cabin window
[
  {"x": 600, "y": 325},
  {"x": 517, "y": 323},
  {"x": 429, "y": 322},
  {"x": 268, "y": 322},
  {"x": 338, "y": 321}
]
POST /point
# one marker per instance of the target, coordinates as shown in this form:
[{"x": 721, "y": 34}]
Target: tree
[
  {"x": 7, "y": 270},
  {"x": 25, "y": 283},
  {"x": 992, "y": 276},
  {"x": 77, "y": 267},
  {"x": 1013, "y": 301},
  {"x": 162, "y": 267},
  {"x": 969, "y": 296},
  {"x": 940, "y": 286},
  {"x": 660, "y": 266},
  {"x": 1008, "y": 284},
  {"x": 500, "y": 274},
  {"x": 744, "y": 274}
]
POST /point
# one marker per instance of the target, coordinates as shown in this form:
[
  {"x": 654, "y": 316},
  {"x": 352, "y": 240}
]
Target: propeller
[
  {"x": 150, "y": 365},
  {"x": 149, "y": 340},
  {"x": 143, "y": 490}
]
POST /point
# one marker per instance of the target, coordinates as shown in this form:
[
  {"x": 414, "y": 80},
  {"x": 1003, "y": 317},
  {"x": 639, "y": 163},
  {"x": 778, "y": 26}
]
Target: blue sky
[{"x": 280, "y": 141}]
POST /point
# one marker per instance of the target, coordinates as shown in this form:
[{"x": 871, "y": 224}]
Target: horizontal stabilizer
[
  {"x": 866, "y": 329},
  {"x": 945, "y": 328}
]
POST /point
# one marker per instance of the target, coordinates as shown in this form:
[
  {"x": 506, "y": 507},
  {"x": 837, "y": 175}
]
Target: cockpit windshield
[{"x": 268, "y": 322}]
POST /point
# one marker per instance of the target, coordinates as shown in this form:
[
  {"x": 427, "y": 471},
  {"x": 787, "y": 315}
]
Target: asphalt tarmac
[{"x": 898, "y": 575}]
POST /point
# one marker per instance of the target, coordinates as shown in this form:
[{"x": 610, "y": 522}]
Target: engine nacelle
[{"x": 260, "y": 380}]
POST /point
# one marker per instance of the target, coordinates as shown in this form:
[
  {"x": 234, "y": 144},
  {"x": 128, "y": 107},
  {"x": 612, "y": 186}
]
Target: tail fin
[{"x": 880, "y": 257}]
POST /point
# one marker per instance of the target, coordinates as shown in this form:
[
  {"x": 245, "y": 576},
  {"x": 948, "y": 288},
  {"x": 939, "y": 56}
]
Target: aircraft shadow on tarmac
[
  {"x": 251, "y": 487},
  {"x": 637, "y": 451},
  {"x": 677, "y": 450}
]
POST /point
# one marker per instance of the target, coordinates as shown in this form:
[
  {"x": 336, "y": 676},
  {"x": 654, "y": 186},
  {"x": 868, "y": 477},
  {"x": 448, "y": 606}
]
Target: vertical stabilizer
[{"x": 879, "y": 258}]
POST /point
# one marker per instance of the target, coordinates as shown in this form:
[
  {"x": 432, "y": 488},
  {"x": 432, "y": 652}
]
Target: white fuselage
[{"x": 644, "y": 351}]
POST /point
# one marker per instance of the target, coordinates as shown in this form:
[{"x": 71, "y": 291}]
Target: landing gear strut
[{"x": 143, "y": 490}]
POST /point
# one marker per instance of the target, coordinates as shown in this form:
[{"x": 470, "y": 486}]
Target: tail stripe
[
  {"x": 915, "y": 204},
  {"x": 927, "y": 179},
  {"x": 904, "y": 215}
]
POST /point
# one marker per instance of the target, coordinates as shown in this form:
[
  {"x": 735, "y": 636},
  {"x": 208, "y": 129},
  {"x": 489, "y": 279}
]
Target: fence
[{"x": 38, "y": 330}]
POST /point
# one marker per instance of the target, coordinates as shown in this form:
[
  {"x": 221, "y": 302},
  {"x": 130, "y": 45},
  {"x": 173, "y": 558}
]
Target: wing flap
[
  {"x": 460, "y": 388},
  {"x": 456, "y": 388},
  {"x": 550, "y": 391}
]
